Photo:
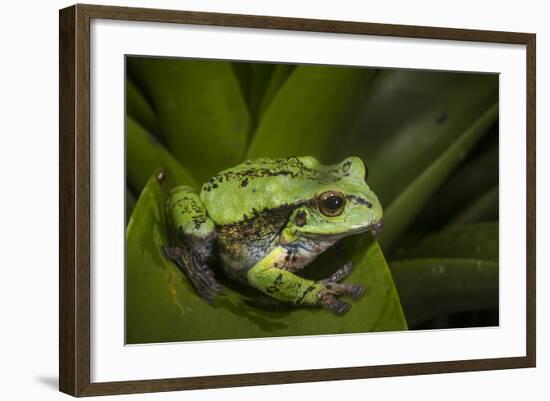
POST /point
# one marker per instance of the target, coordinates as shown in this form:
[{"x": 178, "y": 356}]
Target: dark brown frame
[{"x": 74, "y": 202}]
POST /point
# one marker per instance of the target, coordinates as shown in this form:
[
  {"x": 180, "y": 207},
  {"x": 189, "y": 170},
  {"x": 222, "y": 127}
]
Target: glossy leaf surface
[
  {"x": 313, "y": 105},
  {"x": 455, "y": 270},
  {"x": 404, "y": 208},
  {"x": 203, "y": 116},
  {"x": 162, "y": 305},
  {"x": 145, "y": 155},
  {"x": 441, "y": 286}
]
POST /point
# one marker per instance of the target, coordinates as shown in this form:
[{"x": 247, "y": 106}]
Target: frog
[{"x": 264, "y": 220}]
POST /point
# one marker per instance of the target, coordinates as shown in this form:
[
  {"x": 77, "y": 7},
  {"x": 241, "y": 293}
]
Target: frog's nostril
[{"x": 377, "y": 227}]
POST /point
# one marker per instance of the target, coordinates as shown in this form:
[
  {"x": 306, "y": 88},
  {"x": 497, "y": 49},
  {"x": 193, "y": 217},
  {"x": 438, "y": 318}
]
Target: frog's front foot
[
  {"x": 333, "y": 288},
  {"x": 286, "y": 286},
  {"x": 339, "y": 274}
]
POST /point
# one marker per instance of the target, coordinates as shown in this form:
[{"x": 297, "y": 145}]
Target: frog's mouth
[{"x": 375, "y": 228}]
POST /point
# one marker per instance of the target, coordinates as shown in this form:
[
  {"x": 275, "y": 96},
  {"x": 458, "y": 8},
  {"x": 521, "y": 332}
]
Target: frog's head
[{"x": 343, "y": 204}]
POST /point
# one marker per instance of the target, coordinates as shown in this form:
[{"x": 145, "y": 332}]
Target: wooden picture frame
[{"x": 74, "y": 205}]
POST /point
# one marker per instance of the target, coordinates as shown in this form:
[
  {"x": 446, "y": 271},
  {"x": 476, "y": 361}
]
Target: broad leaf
[
  {"x": 404, "y": 208},
  {"x": 462, "y": 197},
  {"x": 455, "y": 270},
  {"x": 243, "y": 75},
  {"x": 435, "y": 287},
  {"x": 260, "y": 77},
  {"x": 139, "y": 108},
  {"x": 278, "y": 77},
  {"x": 203, "y": 116},
  {"x": 408, "y": 119},
  {"x": 475, "y": 241},
  {"x": 254, "y": 79},
  {"x": 130, "y": 199},
  {"x": 162, "y": 306},
  {"x": 306, "y": 114},
  {"x": 145, "y": 155},
  {"x": 484, "y": 208}
]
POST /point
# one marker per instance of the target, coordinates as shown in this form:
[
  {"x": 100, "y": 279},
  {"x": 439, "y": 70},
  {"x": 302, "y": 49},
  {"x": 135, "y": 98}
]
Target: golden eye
[{"x": 331, "y": 203}]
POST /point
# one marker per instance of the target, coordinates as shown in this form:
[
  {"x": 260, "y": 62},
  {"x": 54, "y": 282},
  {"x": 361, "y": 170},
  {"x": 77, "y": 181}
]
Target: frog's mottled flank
[{"x": 265, "y": 219}]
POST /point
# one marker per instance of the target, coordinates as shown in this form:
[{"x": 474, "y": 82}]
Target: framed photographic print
[{"x": 252, "y": 200}]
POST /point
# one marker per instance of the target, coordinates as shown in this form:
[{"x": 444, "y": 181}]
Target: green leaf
[
  {"x": 466, "y": 184},
  {"x": 260, "y": 77},
  {"x": 254, "y": 79},
  {"x": 455, "y": 270},
  {"x": 278, "y": 77},
  {"x": 131, "y": 200},
  {"x": 403, "y": 209},
  {"x": 314, "y": 104},
  {"x": 484, "y": 208},
  {"x": 462, "y": 191},
  {"x": 243, "y": 74},
  {"x": 434, "y": 287},
  {"x": 139, "y": 108},
  {"x": 409, "y": 119},
  {"x": 475, "y": 241},
  {"x": 162, "y": 306},
  {"x": 203, "y": 116},
  {"x": 145, "y": 155}
]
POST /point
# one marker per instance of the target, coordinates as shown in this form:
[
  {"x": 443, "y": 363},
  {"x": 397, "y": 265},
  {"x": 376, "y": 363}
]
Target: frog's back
[{"x": 255, "y": 186}]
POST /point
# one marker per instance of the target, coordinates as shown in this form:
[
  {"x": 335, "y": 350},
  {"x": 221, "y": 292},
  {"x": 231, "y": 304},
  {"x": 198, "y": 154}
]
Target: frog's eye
[{"x": 331, "y": 203}]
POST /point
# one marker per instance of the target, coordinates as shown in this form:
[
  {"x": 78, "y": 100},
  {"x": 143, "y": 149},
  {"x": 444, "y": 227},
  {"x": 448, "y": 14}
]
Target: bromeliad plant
[{"x": 429, "y": 140}]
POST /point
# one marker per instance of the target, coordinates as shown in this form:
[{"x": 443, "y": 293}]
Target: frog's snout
[{"x": 377, "y": 227}]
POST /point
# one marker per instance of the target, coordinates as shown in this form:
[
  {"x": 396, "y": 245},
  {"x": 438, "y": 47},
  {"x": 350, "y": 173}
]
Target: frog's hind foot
[{"x": 196, "y": 270}]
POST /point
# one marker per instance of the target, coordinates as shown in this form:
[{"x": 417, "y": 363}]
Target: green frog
[{"x": 266, "y": 219}]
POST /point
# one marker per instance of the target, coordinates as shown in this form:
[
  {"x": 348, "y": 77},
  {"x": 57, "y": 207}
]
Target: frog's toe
[
  {"x": 335, "y": 305},
  {"x": 201, "y": 276},
  {"x": 356, "y": 291},
  {"x": 339, "y": 307},
  {"x": 207, "y": 287}
]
